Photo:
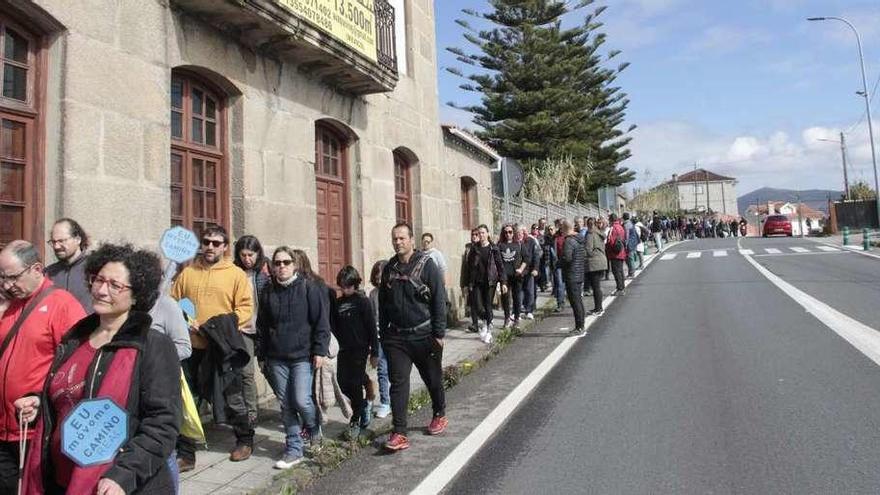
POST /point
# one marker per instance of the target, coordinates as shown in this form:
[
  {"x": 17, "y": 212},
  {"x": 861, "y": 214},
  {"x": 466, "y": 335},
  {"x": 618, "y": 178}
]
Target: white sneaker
[
  {"x": 486, "y": 337},
  {"x": 507, "y": 323},
  {"x": 288, "y": 462},
  {"x": 483, "y": 331},
  {"x": 529, "y": 316}
]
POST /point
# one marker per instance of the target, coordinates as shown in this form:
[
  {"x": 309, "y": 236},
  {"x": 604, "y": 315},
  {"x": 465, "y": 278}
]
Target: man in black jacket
[
  {"x": 412, "y": 325},
  {"x": 573, "y": 263}
]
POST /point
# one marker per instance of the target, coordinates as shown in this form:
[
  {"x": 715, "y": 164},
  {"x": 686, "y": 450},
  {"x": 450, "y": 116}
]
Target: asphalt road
[{"x": 705, "y": 378}]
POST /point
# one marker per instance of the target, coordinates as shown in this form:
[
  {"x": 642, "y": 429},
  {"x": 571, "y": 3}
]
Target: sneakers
[
  {"x": 438, "y": 425},
  {"x": 578, "y": 331},
  {"x": 529, "y": 316},
  {"x": 383, "y": 410},
  {"x": 486, "y": 335},
  {"x": 240, "y": 453},
  {"x": 288, "y": 461},
  {"x": 507, "y": 323},
  {"x": 354, "y": 431},
  {"x": 397, "y": 442},
  {"x": 597, "y": 312},
  {"x": 316, "y": 443},
  {"x": 515, "y": 322},
  {"x": 619, "y": 292},
  {"x": 185, "y": 465}
]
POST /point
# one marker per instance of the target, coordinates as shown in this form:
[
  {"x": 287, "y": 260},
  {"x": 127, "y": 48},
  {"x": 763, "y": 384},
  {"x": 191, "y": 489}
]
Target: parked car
[{"x": 777, "y": 225}]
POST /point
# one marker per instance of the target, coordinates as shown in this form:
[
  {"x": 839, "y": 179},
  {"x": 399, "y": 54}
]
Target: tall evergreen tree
[{"x": 545, "y": 93}]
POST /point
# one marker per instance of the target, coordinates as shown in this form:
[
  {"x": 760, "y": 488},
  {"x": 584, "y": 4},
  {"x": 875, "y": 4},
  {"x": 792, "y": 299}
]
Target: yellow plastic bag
[{"x": 191, "y": 426}]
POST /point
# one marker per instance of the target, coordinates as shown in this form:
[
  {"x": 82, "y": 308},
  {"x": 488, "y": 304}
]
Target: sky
[{"x": 745, "y": 88}]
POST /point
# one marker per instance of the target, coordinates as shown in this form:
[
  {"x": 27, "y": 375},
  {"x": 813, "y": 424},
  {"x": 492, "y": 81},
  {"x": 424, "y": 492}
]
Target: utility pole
[
  {"x": 695, "y": 187},
  {"x": 843, "y": 158},
  {"x": 706, "y": 176},
  {"x": 800, "y": 218}
]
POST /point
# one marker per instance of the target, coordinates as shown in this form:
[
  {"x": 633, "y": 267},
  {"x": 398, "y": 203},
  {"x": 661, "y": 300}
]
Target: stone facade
[{"x": 108, "y": 128}]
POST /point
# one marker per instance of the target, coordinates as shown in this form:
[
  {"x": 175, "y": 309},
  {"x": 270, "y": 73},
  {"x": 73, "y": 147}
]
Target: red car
[{"x": 777, "y": 225}]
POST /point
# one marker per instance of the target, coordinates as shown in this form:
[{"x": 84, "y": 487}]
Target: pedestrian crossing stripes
[{"x": 721, "y": 253}]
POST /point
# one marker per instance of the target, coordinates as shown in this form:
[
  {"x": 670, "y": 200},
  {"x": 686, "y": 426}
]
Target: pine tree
[{"x": 545, "y": 93}]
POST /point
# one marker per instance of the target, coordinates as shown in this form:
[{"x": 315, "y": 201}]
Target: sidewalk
[{"x": 215, "y": 474}]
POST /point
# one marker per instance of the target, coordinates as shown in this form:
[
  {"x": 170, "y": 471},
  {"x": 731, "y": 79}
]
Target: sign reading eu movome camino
[{"x": 350, "y": 21}]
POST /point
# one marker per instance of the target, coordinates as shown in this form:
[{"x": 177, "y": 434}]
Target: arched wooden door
[{"x": 331, "y": 179}]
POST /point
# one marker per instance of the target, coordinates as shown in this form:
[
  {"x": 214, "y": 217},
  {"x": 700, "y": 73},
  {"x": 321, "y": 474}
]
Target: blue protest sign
[
  {"x": 179, "y": 244},
  {"x": 94, "y": 431},
  {"x": 188, "y": 308}
]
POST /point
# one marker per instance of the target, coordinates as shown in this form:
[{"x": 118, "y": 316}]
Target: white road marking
[
  {"x": 719, "y": 253},
  {"x": 799, "y": 249},
  {"x": 746, "y": 251},
  {"x": 695, "y": 254},
  {"x": 859, "y": 335},
  {"x": 459, "y": 457},
  {"x": 667, "y": 257},
  {"x": 773, "y": 251},
  {"x": 828, "y": 249}
]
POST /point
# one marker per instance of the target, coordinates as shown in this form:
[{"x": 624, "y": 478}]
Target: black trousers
[
  {"x": 595, "y": 279},
  {"x": 403, "y": 351},
  {"x": 9, "y": 467},
  {"x": 513, "y": 296},
  {"x": 481, "y": 303},
  {"x": 351, "y": 373},
  {"x": 617, "y": 270},
  {"x": 573, "y": 291}
]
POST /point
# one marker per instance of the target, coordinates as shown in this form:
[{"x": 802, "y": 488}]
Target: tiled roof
[{"x": 701, "y": 175}]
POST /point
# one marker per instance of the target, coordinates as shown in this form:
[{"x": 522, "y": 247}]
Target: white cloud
[
  {"x": 716, "y": 40},
  {"x": 776, "y": 159}
]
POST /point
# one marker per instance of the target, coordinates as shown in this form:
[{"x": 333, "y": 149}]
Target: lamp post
[{"x": 867, "y": 101}]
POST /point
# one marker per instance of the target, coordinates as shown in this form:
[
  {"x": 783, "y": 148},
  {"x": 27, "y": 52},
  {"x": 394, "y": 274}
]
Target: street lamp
[{"x": 867, "y": 102}]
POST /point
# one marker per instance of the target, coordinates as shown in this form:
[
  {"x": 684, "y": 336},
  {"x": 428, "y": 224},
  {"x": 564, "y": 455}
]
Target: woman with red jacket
[
  {"x": 111, "y": 354},
  {"x": 615, "y": 250}
]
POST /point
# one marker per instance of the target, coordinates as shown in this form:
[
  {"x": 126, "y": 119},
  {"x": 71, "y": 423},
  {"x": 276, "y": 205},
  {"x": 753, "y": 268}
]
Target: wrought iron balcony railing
[{"x": 386, "y": 45}]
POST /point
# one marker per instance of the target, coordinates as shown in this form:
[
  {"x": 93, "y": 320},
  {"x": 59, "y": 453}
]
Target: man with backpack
[
  {"x": 615, "y": 250},
  {"x": 412, "y": 325}
]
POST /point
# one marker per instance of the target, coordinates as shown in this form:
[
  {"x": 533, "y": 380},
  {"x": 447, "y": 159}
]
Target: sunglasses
[
  {"x": 209, "y": 242},
  {"x": 508, "y": 231},
  {"x": 280, "y": 263}
]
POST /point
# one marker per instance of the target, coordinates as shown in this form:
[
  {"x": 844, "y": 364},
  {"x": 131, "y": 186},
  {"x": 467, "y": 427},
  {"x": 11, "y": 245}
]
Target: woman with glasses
[
  {"x": 112, "y": 354},
  {"x": 293, "y": 337},
  {"x": 514, "y": 266}
]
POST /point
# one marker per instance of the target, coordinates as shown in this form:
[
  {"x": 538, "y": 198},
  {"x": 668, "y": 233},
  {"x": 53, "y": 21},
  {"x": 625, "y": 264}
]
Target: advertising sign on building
[{"x": 349, "y": 21}]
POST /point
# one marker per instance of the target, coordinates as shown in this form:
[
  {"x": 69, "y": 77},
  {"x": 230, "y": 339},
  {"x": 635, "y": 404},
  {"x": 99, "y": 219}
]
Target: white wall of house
[{"x": 719, "y": 196}]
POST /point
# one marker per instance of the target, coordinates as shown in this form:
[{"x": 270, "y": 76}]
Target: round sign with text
[{"x": 179, "y": 244}]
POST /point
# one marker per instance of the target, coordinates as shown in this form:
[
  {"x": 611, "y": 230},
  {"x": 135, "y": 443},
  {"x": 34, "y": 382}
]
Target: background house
[
  {"x": 701, "y": 191},
  {"x": 798, "y": 214}
]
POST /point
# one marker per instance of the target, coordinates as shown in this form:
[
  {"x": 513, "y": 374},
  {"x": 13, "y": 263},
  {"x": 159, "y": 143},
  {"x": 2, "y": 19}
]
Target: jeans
[
  {"x": 513, "y": 298},
  {"x": 596, "y": 283},
  {"x": 175, "y": 471},
  {"x": 658, "y": 241},
  {"x": 382, "y": 377},
  {"x": 573, "y": 291},
  {"x": 558, "y": 288},
  {"x": 293, "y": 386},
  {"x": 617, "y": 270},
  {"x": 404, "y": 351},
  {"x": 528, "y": 293},
  {"x": 630, "y": 266}
]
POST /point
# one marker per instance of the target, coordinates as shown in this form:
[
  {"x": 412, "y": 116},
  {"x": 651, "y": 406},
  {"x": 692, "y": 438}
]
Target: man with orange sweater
[
  {"x": 27, "y": 350},
  {"x": 216, "y": 287}
]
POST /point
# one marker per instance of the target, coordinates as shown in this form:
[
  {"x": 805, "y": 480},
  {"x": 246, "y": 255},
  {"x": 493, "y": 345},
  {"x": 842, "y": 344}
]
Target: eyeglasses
[
  {"x": 209, "y": 242},
  {"x": 53, "y": 242},
  {"x": 508, "y": 231},
  {"x": 11, "y": 279},
  {"x": 279, "y": 263},
  {"x": 96, "y": 281}
]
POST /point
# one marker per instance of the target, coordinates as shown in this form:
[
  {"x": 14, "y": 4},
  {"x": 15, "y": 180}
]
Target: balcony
[{"x": 347, "y": 44}]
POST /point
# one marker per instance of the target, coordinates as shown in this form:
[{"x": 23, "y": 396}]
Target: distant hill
[{"x": 814, "y": 198}]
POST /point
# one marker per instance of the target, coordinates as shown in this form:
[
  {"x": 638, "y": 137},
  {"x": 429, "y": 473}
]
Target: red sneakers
[
  {"x": 438, "y": 425},
  {"x": 397, "y": 442}
]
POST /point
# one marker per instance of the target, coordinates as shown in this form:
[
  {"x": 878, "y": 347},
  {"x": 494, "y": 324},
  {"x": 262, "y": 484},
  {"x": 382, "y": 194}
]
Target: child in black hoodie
[{"x": 355, "y": 328}]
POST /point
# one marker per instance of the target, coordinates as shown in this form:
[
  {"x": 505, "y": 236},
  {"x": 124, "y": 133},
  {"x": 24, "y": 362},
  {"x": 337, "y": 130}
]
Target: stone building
[{"x": 287, "y": 119}]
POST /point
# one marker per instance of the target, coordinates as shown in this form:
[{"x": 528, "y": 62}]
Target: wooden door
[{"x": 332, "y": 203}]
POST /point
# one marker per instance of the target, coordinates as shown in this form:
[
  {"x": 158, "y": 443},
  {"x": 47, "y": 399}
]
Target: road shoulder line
[{"x": 859, "y": 335}]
